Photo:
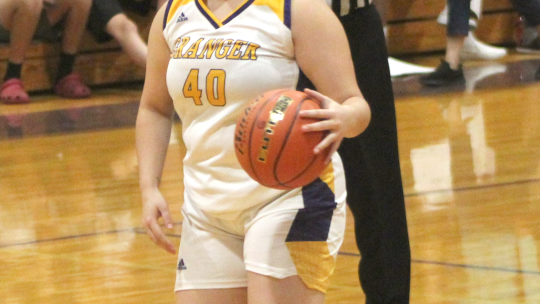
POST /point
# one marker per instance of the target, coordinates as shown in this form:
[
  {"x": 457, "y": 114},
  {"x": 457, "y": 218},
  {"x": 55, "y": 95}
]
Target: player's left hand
[{"x": 333, "y": 119}]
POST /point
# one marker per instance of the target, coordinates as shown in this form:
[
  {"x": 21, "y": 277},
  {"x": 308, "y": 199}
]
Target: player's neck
[{"x": 222, "y": 8}]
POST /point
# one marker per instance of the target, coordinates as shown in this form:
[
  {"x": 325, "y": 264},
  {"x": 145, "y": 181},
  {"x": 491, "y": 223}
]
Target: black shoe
[
  {"x": 537, "y": 75},
  {"x": 443, "y": 75}
]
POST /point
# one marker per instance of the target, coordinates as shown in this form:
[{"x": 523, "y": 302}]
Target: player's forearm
[
  {"x": 153, "y": 131},
  {"x": 358, "y": 116}
]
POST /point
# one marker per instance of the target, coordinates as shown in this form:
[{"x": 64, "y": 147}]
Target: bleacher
[{"x": 412, "y": 30}]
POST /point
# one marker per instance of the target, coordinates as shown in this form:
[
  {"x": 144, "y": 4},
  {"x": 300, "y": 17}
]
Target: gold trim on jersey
[
  {"x": 211, "y": 15},
  {"x": 277, "y": 6},
  {"x": 174, "y": 7}
]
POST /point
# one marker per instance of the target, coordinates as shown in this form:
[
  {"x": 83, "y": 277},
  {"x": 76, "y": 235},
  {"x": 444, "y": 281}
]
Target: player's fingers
[
  {"x": 326, "y": 142},
  {"x": 324, "y": 125},
  {"x": 162, "y": 239},
  {"x": 151, "y": 236},
  {"x": 147, "y": 223},
  {"x": 166, "y": 216},
  {"x": 318, "y": 96},
  {"x": 319, "y": 114},
  {"x": 335, "y": 146}
]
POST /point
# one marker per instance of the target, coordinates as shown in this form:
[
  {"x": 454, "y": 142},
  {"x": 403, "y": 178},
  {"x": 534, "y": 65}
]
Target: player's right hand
[{"x": 154, "y": 207}]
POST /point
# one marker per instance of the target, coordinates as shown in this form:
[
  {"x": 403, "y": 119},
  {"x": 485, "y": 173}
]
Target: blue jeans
[{"x": 458, "y": 17}]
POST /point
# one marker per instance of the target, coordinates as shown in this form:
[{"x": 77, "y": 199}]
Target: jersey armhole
[
  {"x": 166, "y": 15},
  {"x": 287, "y": 13}
]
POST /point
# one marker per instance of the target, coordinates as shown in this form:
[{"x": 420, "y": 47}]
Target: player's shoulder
[{"x": 311, "y": 12}]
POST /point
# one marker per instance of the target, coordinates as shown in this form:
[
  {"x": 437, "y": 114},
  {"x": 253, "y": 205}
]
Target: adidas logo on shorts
[
  {"x": 181, "y": 265},
  {"x": 182, "y": 18}
]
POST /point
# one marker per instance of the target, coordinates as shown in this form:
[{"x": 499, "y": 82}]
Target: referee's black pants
[{"x": 372, "y": 170}]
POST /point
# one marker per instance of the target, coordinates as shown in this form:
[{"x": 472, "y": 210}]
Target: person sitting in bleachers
[{"x": 108, "y": 21}]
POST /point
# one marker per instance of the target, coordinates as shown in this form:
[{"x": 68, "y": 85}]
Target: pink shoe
[
  {"x": 71, "y": 86},
  {"x": 12, "y": 92}
]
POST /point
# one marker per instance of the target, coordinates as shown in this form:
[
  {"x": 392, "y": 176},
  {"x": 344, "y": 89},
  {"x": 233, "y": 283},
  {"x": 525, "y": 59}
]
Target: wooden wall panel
[
  {"x": 498, "y": 28},
  {"x": 402, "y": 10},
  {"x": 415, "y": 37},
  {"x": 496, "y": 5},
  {"x": 98, "y": 68},
  {"x": 428, "y": 36}
]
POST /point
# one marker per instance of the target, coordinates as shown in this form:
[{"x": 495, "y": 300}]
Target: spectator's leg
[
  {"x": 74, "y": 15},
  {"x": 20, "y": 17},
  {"x": 126, "y": 33},
  {"x": 454, "y": 44},
  {"x": 474, "y": 49},
  {"x": 457, "y": 30},
  {"x": 450, "y": 71}
]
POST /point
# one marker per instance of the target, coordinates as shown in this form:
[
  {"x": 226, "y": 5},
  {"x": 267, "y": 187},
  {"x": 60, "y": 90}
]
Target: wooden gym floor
[{"x": 70, "y": 210}]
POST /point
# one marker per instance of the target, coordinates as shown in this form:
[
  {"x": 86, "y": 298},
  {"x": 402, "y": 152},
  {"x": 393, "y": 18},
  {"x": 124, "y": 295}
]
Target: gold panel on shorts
[{"x": 313, "y": 262}]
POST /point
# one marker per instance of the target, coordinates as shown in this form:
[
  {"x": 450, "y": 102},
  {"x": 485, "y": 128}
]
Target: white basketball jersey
[{"x": 216, "y": 68}]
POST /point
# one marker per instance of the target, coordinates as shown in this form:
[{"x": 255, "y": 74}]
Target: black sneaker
[{"x": 443, "y": 75}]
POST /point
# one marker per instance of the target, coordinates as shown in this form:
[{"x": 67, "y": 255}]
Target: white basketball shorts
[{"x": 277, "y": 240}]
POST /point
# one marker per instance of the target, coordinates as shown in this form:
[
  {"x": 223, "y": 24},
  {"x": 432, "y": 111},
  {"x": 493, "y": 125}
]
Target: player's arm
[
  {"x": 153, "y": 129},
  {"x": 322, "y": 52}
]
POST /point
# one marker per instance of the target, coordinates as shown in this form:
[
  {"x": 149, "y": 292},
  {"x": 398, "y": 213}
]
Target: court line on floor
[
  {"x": 67, "y": 237},
  {"x": 455, "y": 265},
  {"x": 512, "y": 183},
  {"x": 139, "y": 230}
]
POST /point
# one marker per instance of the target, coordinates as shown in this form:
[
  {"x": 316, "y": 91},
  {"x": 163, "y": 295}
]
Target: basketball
[{"x": 270, "y": 144}]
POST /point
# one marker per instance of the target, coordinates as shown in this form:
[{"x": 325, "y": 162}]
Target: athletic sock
[
  {"x": 65, "y": 67},
  {"x": 13, "y": 71}
]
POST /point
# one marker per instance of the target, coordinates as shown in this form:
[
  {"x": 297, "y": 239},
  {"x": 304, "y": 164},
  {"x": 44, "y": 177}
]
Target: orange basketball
[{"x": 270, "y": 144}]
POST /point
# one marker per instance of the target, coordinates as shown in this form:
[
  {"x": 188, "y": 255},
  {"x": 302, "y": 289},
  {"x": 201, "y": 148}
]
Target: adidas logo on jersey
[
  {"x": 182, "y": 18},
  {"x": 181, "y": 265}
]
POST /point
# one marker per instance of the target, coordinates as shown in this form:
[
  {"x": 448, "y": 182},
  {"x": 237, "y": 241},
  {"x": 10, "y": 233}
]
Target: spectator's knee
[{"x": 30, "y": 7}]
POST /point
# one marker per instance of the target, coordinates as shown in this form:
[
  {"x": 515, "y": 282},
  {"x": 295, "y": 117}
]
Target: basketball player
[
  {"x": 242, "y": 242},
  {"x": 371, "y": 162}
]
